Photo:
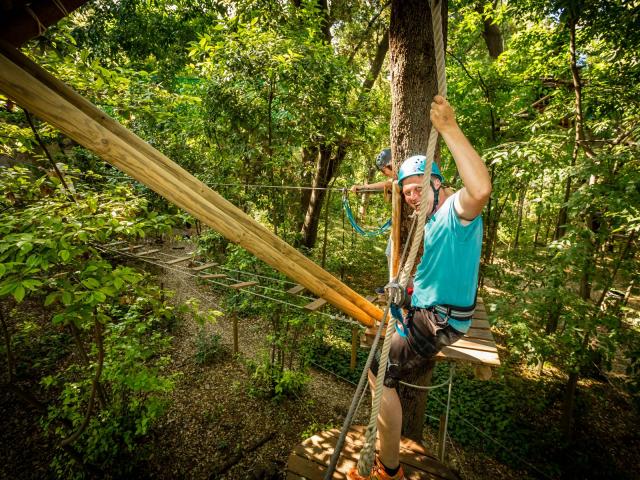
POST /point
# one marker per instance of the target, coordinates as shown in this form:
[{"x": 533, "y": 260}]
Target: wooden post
[
  {"x": 396, "y": 223},
  {"x": 441, "y": 437},
  {"x": 355, "y": 337},
  {"x": 236, "y": 348},
  {"x": 50, "y": 99}
]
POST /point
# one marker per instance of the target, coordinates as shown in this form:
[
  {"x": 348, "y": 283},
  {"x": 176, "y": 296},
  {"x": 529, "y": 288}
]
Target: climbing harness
[{"x": 365, "y": 233}]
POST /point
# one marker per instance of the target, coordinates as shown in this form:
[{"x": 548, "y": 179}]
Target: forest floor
[
  {"x": 214, "y": 416},
  {"x": 216, "y": 427}
]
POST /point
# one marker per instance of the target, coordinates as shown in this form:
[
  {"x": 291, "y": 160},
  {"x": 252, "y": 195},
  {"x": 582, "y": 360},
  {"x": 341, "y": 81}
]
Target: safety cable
[
  {"x": 365, "y": 233},
  {"x": 292, "y": 187},
  {"x": 501, "y": 445}
]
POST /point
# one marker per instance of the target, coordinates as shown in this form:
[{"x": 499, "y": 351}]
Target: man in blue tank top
[{"x": 444, "y": 288}]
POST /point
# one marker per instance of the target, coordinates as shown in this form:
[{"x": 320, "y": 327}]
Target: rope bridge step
[
  {"x": 316, "y": 304},
  {"x": 238, "y": 286},
  {"x": 199, "y": 268},
  {"x": 309, "y": 460},
  {"x": 208, "y": 276},
  {"x": 147, "y": 253},
  {"x": 180, "y": 259},
  {"x": 296, "y": 290}
]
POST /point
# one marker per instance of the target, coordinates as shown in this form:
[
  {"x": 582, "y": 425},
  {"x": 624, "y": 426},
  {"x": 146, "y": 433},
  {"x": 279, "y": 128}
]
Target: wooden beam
[
  {"x": 295, "y": 263},
  {"x": 21, "y": 24},
  {"x": 57, "y": 104},
  {"x": 238, "y": 286},
  {"x": 179, "y": 260},
  {"x": 212, "y": 275},
  {"x": 199, "y": 268}
]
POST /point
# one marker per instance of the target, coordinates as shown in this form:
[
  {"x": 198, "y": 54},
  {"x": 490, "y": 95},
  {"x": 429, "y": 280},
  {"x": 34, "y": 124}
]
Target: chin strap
[{"x": 436, "y": 197}]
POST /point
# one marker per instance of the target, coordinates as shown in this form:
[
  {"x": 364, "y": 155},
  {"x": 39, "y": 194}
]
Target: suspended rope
[
  {"x": 367, "y": 454},
  {"x": 352, "y": 220}
]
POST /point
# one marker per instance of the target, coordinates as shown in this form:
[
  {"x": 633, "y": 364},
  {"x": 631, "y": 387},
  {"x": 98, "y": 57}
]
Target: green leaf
[
  {"x": 52, "y": 297},
  {"x": 67, "y": 297},
  {"x": 7, "y": 288},
  {"x": 3, "y": 269},
  {"x": 90, "y": 283},
  {"x": 19, "y": 293},
  {"x": 31, "y": 284},
  {"x": 64, "y": 255},
  {"x": 99, "y": 296}
]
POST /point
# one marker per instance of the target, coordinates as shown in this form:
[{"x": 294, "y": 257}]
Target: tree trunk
[
  {"x": 413, "y": 86},
  {"x": 523, "y": 192},
  {"x": 326, "y": 167},
  {"x": 585, "y": 286},
  {"x": 491, "y": 32},
  {"x": 327, "y": 160}
]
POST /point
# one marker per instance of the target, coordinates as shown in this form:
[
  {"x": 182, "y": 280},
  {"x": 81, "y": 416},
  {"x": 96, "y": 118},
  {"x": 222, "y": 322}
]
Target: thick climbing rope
[
  {"x": 365, "y": 233},
  {"x": 367, "y": 453}
]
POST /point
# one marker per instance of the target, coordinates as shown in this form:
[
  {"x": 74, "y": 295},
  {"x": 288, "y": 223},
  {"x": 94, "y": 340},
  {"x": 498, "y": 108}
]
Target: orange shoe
[{"x": 377, "y": 473}]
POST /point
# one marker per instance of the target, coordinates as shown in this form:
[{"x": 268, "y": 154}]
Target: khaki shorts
[{"x": 428, "y": 333}]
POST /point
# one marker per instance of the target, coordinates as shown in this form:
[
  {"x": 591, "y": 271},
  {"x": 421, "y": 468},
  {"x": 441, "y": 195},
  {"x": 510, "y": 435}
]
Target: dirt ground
[{"x": 214, "y": 428}]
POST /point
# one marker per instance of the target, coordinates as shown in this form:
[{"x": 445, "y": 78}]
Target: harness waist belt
[{"x": 461, "y": 313}]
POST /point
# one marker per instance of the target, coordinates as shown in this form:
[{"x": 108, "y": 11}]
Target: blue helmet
[
  {"x": 383, "y": 159},
  {"x": 415, "y": 165}
]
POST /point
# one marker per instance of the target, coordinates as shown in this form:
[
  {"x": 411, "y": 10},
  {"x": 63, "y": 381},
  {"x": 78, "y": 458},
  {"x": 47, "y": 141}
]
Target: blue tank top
[{"x": 448, "y": 270}]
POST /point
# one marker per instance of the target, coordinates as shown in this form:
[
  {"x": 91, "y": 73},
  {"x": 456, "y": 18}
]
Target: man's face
[{"x": 412, "y": 189}]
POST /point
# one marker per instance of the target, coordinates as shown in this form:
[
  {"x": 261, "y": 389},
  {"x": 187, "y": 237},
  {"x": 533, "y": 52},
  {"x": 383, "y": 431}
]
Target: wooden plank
[
  {"x": 316, "y": 304},
  {"x": 477, "y": 344},
  {"x": 180, "y": 259},
  {"x": 212, "y": 275},
  {"x": 295, "y": 290},
  {"x": 477, "y": 323},
  {"x": 317, "y": 451},
  {"x": 238, "y": 286},
  {"x": 199, "y": 268},
  {"x": 479, "y": 333},
  {"x": 474, "y": 356},
  {"x": 480, "y": 314},
  {"x": 147, "y": 253}
]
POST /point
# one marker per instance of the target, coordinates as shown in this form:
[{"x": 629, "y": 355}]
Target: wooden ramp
[{"x": 311, "y": 458}]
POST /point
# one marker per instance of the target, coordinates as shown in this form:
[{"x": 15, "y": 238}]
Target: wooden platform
[{"x": 310, "y": 459}]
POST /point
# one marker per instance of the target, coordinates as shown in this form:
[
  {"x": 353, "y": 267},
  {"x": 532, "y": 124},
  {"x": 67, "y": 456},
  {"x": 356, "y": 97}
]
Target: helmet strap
[{"x": 436, "y": 196}]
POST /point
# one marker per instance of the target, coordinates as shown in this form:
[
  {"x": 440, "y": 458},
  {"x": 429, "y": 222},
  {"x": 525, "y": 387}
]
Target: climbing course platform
[{"x": 309, "y": 459}]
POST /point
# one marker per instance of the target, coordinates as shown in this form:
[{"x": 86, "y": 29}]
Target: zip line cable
[{"x": 292, "y": 187}]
